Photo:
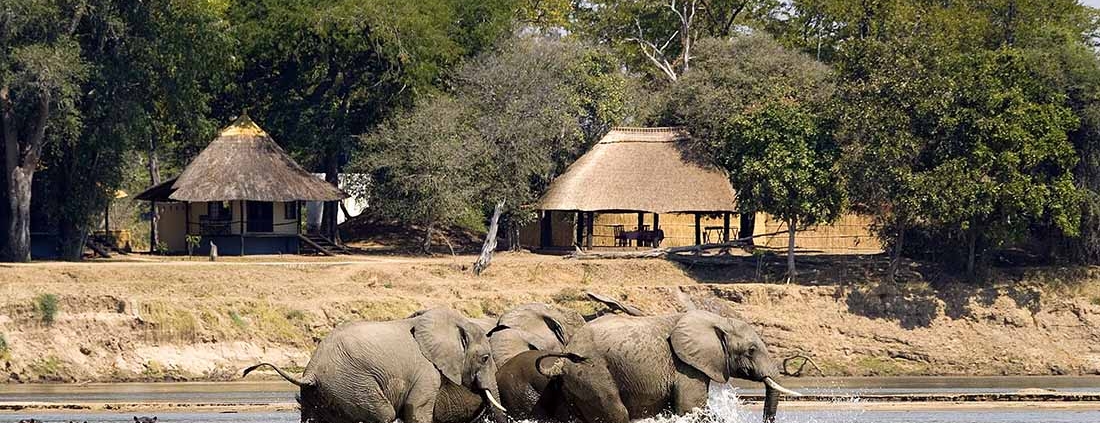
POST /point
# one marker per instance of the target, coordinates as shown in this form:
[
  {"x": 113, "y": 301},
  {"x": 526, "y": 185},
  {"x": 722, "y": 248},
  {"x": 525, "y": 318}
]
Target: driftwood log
[
  {"x": 798, "y": 371},
  {"x": 490, "y": 244}
]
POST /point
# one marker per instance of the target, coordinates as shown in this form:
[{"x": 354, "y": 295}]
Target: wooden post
[
  {"x": 656, "y": 230},
  {"x": 698, "y": 229},
  {"x": 580, "y": 230},
  {"x": 591, "y": 223},
  {"x": 242, "y": 206},
  {"x": 726, "y": 227},
  {"x": 298, "y": 226},
  {"x": 153, "y": 238},
  {"x": 186, "y": 218}
]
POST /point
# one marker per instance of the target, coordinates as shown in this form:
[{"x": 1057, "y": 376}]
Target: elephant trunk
[{"x": 771, "y": 403}]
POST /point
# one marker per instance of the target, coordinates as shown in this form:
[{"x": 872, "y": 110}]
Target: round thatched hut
[{"x": 242, "y": 193}]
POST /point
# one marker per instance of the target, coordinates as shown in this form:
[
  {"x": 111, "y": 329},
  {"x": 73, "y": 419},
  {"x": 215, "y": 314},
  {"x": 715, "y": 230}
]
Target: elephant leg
[
  {"x": 371, "y": 406},
  {"x": 420, "y": 403},
  {"x": 594, "y": 393},
  {"x": 688, "y": 394}
]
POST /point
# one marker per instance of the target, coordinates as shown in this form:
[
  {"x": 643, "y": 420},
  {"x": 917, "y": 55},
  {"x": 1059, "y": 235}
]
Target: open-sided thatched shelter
[
  {"x": 640, "y": 186},
  {"x": 641, "y": 171},
  {"x": 242, "y": 192}
]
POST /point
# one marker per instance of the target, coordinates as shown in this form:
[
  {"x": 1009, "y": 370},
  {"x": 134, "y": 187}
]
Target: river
[{"x": 725, "y": 404}]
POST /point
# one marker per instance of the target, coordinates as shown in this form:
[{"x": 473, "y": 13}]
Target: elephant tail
[{"x": 303, "y": 382}]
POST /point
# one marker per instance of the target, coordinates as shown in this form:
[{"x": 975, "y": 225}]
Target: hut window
[
  {"x": 217, "y": 210},
  {"x": 290, "y": 210}
]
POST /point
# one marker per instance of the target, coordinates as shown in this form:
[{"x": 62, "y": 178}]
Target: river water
[{"x": 724, "y": 405}]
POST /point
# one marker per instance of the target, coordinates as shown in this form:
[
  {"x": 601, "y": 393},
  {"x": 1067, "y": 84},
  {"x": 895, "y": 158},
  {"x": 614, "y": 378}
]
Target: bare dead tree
[{"x": 490, "y": 244}]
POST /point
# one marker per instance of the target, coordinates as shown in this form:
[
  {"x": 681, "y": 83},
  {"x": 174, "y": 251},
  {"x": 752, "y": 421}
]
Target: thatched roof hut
[
  {"x": 243, "y": 163},
  {"x": 641, "y": 170}
]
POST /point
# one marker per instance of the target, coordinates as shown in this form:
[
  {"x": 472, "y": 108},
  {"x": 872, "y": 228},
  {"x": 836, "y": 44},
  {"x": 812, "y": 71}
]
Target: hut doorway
[{"x": 261, "y": 216}]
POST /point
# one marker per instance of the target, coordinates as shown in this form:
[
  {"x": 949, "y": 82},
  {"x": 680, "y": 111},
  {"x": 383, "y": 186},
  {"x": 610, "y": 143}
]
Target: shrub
[
  {"x": 238, "y": 320},
  {"x": 4, "y": 351},
  {"x": 47, "y": 307}
]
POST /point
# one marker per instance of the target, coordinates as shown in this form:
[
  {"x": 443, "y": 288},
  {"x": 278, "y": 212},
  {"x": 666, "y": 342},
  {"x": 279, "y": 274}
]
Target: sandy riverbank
[{"x": 157, "y": 320}]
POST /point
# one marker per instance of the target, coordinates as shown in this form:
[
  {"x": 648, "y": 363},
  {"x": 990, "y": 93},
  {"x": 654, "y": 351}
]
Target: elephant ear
[
  {"x": 697, "y": 341},
  {"x": 443, "y": 341},
  {"x": 507, "y": 343},
  {"x": 539, "y": 320}
]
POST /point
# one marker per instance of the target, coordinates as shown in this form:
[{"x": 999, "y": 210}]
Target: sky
[{"x": 1093, "y": 3}]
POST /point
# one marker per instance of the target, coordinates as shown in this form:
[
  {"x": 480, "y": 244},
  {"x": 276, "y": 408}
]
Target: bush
[
  {"x": 47, "y": 307},
  {"x": 4, "y": 351}
]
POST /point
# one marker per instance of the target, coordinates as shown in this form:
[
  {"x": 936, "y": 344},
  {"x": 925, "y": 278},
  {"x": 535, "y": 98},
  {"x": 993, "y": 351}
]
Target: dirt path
[{"x": 197, "y": 320}]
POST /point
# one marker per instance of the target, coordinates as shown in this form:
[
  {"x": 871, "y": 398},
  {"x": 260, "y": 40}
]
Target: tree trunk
[
  {"x": 790, "y": 249},
  {"x": 513, "y": 237},
  {"x": 426, "y": 244},
  {"x": 330, "y": 216},
  {"x": 71, "y": 240},
  {"x": 18, "y": 245},
  {"x": 490, "y": 244},
  {"x": 899, "y": 246},
  {"x": 154, "y": 179},
  {"x": 973, "y": 235}
]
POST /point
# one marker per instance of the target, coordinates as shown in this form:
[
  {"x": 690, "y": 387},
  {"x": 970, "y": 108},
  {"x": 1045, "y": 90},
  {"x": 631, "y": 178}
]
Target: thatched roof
[
  {"x": 244, "y": 163},
  {"x": 640, "y": 170}
]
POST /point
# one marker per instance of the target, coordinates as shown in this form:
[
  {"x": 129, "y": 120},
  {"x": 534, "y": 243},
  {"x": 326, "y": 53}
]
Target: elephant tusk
[
  {"x": 775, "y": 385},
  {"x": 489, "y": 394}
]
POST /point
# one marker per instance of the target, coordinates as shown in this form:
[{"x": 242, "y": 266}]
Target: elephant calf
[
  {"x": 434, "y": 367},
  {"x": 624, "y": 368}
]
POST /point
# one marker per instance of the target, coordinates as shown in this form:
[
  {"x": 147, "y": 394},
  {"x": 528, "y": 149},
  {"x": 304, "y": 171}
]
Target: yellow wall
[
  {"x": 851, "y": 233},
  {"x": 170, "y": 227},
  {"x": 173, "y": 221}
]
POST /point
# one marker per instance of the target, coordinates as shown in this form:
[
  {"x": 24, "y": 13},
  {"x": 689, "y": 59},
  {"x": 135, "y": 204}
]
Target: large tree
[
  {"x": 41, "y": 69},
  {"x": 757, "y": 110},
  {"x": 952, "y": 115},
  {"x": 522, "y": 113},
  {"x": 537, "y": 104},
  {"x": 658, "y": 36},
  {"x": 317, "y": 73}
]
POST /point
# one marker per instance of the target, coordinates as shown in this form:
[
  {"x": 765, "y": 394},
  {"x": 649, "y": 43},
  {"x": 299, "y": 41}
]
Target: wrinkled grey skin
[
  {"x": 528, "y": 388},
  {"x": 434, "y": 367},
  {"x": 527, "y": 333},
  {"x": 638, "y": 367},
  {"x": 532, "y": 326}
]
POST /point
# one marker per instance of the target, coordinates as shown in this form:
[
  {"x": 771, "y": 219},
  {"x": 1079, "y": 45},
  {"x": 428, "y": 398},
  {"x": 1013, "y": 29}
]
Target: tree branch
[
  {"x": 11, "y": 142},
  {"x": 29, "y": 156}
]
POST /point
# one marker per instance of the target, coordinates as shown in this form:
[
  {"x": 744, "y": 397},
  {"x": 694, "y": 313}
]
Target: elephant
[
  {"x": 537, "y": 326},
  {"x": 525, "y": 335},
  {"x": 434, "y": 367},
  {"x": 529, "y": 388},
  {"x": 617, "y": 368}
]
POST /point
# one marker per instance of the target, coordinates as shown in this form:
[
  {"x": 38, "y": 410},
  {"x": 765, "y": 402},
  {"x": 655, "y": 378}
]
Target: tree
[
  {"x": 420, "y": 164},
  {"x": 659, "y": 35},
  {"x": 317, "y": 73},
  {"x": 1000, "y": 151},
  {"x": 41, "y": 69},
  {"x": 940, "y": 127},
  {"x": 756, "y": 110},
  {"x": 536, "y": 104}
]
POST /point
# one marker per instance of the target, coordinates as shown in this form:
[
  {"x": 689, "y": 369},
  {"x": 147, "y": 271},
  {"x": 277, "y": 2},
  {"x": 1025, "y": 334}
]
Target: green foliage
[
  {"x": 535, "y": 106},
  {"x": 420, "y": 162},
  {"x": 951, "y": 115},
  {"x": 755, "y": 109},
  {"x": 47, "y": 306},
  {"x": 516, "y": 118},
  {"x": 238, "y": 321}
]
